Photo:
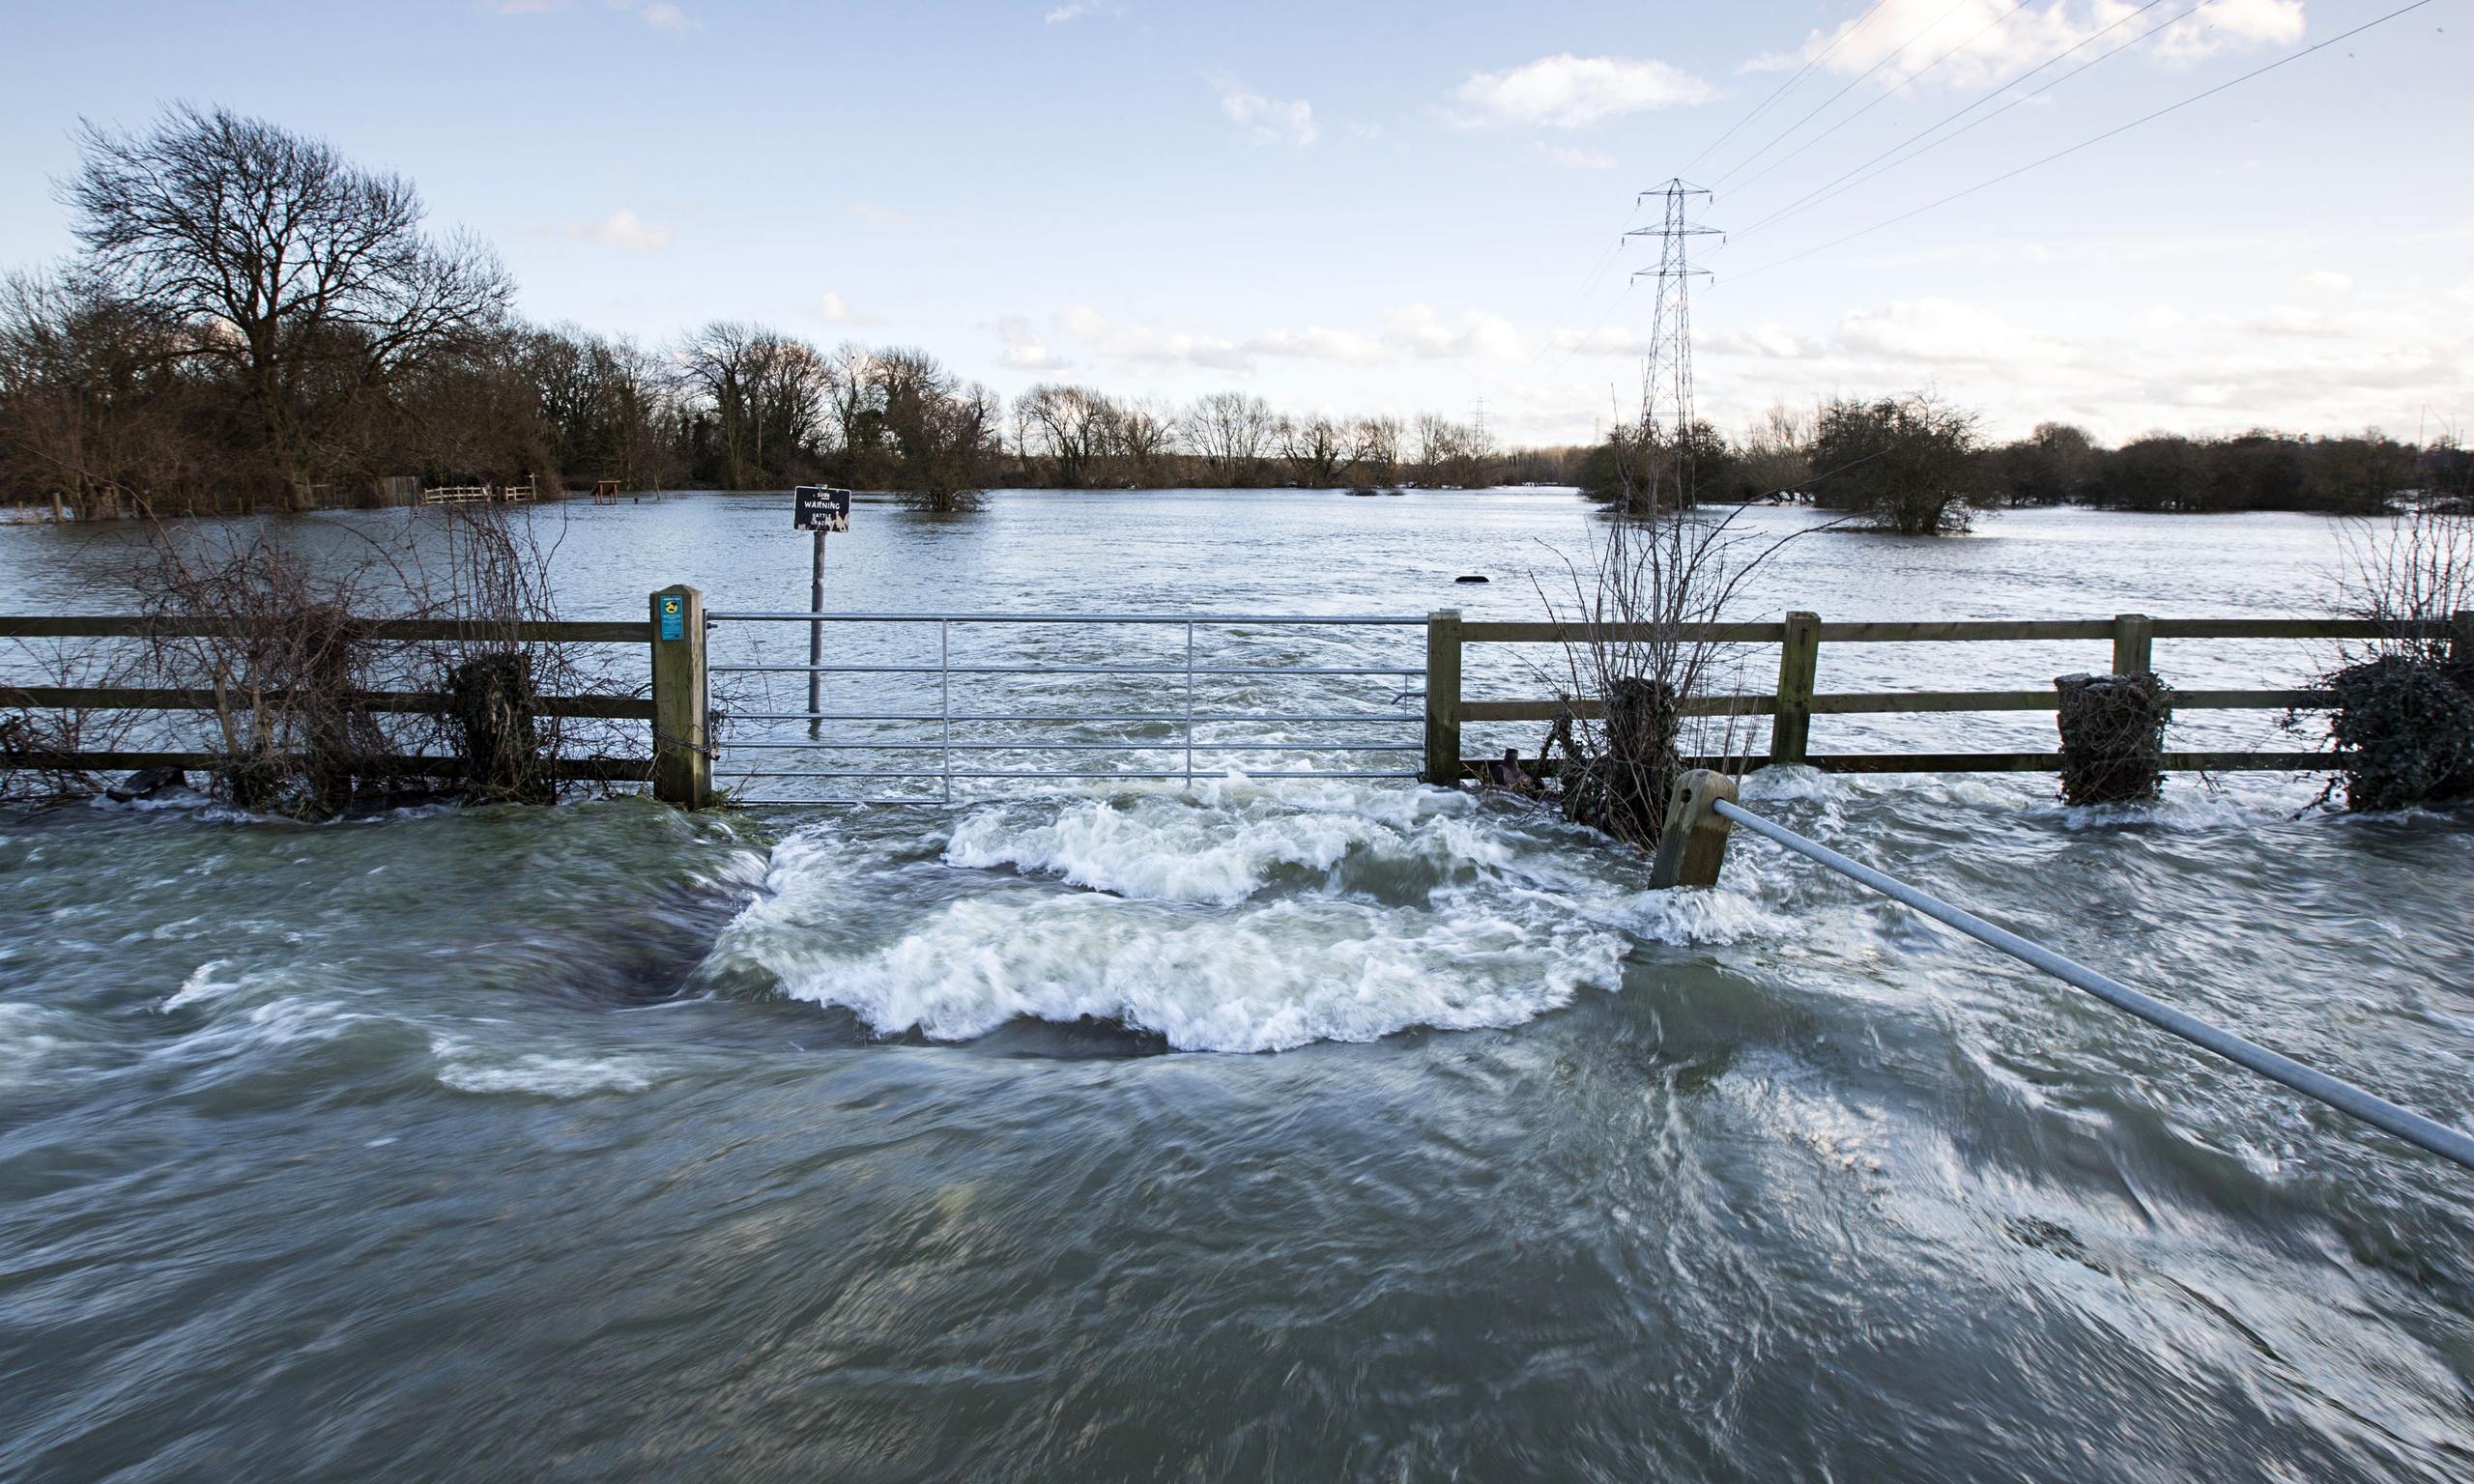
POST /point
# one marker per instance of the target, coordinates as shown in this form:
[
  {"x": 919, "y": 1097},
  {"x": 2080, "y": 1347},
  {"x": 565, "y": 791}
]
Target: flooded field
[{"x": 1303, "y": 1128}]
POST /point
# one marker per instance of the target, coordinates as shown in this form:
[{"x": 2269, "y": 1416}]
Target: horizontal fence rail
[
  {"x": 683, "y": 748},
  {"x": 1796, "y": 700},
  {"x": 1179, "y": 755},
  {"x": 170, "y": 699}
]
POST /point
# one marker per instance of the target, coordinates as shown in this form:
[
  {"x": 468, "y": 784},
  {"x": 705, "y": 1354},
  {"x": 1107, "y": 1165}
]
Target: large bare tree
[
  {"x": 310, "y": 276},
  {"x": 767, "y": 395},
  {"x": 1073, "y": 425},
  {"x": 1229, "y": 430}
]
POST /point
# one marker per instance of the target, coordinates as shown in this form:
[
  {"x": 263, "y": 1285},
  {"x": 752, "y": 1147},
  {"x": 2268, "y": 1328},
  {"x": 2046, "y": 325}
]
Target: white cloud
[
  {"x": 1075, "y": 10},
  {"x": 1576, "y": 160},
  {"x": 2324, "y": 281},
  {"x": 1289, "y": 120},
  {"x": 1410, "y": 333},
  {"x": 1024, "y": 350},
  {"x": 1417, "y": 330},
  {"x": 528, "y": 7},
  {"x": 1315, "y": 342},
  {"x": 624, "y": 228},
  {"x": 1977, "y": 43},
  {"x": 2228, "y": 25},
  {"x": 664, "y": 16},
  {"x": 882, "y": 215},
  {"x": 838, "y": 311},
  {"x": 1570, "y": 92},
  {"x": 1933, "y": 330}
]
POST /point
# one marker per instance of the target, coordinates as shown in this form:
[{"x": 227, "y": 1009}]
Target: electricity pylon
[{"x": 1666, "y": 380}]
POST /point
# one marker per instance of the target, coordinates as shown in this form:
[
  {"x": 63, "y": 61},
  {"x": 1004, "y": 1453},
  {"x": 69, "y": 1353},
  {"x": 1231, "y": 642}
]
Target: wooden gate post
[
  {"x": 1791, "y": 726},
  {"x": 682, "y": 751},
  {"x": 1443, "y": 696},
  {"x": 2134, "y": 644},
  {"x": 1693, "y": 843}
]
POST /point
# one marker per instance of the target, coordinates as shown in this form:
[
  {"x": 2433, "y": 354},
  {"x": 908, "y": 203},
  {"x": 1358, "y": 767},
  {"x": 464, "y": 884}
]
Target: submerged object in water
[{"x": 1469, "y": 577}]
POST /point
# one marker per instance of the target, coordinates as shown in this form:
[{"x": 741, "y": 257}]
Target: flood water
[{"x": 1325, "y": 1128}]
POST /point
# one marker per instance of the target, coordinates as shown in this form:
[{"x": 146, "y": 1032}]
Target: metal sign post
[{"x": 820, "y": 509}]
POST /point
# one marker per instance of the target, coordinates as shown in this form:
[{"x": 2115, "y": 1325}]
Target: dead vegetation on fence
[
  {"x": 307, "y": 708},
  {"x": 1641, "y": 599},
  {"x": 2113, "y": 737},
  {"x": 2404, "y": 700}
]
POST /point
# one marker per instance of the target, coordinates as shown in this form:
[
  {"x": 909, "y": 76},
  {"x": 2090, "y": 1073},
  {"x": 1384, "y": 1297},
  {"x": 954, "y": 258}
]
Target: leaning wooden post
[
  {"x": 1693, "y": 842},
  {"x": 2134, "y": 644},
  {"x": 1791, "y": 726},
  {"x": 682, "y": 752},
  {"x": 1443, "y": 696}
]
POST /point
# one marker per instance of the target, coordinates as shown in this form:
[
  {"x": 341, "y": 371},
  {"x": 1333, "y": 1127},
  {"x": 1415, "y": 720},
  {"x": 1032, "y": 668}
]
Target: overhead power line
[
  {"x": 1829, "y": 191},
  {"x": 1802, "y": 73},
  {"x": 1894, "y": 54},
  {"x": 1876, "y": 99},
  {"x": 2121, "y": 128}
]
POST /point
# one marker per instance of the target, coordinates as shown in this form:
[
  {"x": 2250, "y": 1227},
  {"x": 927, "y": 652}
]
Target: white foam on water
[
  {"x": 32, "y": 1037},
  {"x": 201, "y": 986},
  {"x": 1266, "y": 977},
  {"x": 467, "y": 1069},
  {"x": 1176, "y": 849}
]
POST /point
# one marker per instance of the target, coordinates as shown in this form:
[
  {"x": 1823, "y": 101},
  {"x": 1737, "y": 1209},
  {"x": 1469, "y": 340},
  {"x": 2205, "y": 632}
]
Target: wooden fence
[
  {"x": 674, "y": 764},
  {"x": 1797, "y": 701}
]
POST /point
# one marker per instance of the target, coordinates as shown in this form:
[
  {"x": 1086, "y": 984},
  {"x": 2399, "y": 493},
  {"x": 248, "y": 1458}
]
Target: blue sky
[{"x": 1389, "y": 207}]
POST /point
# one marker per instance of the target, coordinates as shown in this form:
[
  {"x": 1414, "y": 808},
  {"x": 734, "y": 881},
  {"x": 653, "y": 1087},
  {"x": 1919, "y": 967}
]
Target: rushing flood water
[{"x": 607, "y": 1141}]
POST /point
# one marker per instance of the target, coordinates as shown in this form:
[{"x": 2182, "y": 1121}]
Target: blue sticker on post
[{"x": 674, "y": 615}]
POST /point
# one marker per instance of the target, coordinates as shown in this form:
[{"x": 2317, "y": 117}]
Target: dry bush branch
[{"x": 1640, "y": 601}]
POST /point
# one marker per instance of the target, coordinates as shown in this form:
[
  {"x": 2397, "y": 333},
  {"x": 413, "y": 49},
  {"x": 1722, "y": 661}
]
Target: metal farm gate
[{"x": 1042, "y": 699}]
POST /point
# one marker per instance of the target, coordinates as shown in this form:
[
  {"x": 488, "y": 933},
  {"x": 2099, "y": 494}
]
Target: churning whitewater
[{"x": 1240, "y": 917}]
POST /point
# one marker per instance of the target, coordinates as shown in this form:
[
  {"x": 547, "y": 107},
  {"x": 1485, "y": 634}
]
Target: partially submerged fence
[
  {"x": 679, "y": 759},
  {"x": 1797, "y": 699},
  {"x": 137, "y": 698}
]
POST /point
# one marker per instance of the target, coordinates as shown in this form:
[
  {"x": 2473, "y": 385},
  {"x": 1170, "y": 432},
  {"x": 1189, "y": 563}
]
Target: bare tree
[
  {"x": 939, "y": 430},
  {"x": 1374, "y": 448},
  {"x": 1643, "y": 603},
  {"x": 304, "y": 274},
  {"x": 768, "y": 395},
  {"x": 94, "y": 405},
  {"x": 1228, "y": 430},
  {"x": 1073, "y": 425},
  {"x": 1316, "y": 449},
  {"x": 1144, "y": 438}
]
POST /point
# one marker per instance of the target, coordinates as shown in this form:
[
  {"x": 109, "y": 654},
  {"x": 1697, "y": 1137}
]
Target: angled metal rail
[{"x": 2346, "y": 1098}]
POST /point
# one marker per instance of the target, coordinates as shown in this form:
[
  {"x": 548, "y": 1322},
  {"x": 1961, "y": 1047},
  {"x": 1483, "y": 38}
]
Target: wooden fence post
[
  {"x": 1693, "y": 842},
  {"x": 1443, "y": 696},
  {"x": 2460, "y": 637},
  {"x": 1791, "y": 727},
  {"x": 2134, "y": 644},
  {"x": 682, "y": 752}
]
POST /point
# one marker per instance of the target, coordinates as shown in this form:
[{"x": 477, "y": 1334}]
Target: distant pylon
[{"x": 1666, "y": 380}]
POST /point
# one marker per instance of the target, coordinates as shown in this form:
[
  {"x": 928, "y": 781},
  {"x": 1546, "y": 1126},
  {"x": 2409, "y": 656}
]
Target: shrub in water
[{"x": 2406, "y": 724}]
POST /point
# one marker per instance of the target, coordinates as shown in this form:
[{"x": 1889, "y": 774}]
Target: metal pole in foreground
[
  {"x": 816, "y": 636},
  {"x": 2343, "y": 1096}
]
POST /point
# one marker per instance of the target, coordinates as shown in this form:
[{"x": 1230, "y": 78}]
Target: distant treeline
[
  {"x": 1919, "y": 465},
  {"x": 252, "y": 322}
]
